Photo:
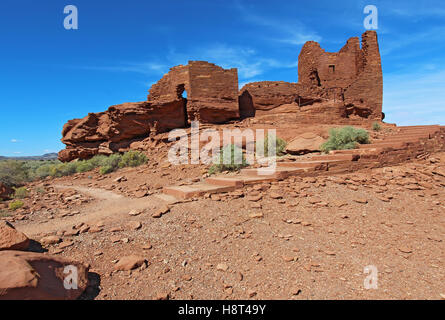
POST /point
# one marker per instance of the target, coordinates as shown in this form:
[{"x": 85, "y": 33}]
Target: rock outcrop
[
  {"x": 115, "y": 129},
  {"x": 36, "y": 276},
  {"x": 5, "y": 191},
  {"x": 305, "y": 143},
  {"x": 11, "y": 239},
  {"x": 345, "y": 85}
]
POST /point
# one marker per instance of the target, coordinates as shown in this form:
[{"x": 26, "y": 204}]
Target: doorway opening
[{"x": 182, "y": 94}]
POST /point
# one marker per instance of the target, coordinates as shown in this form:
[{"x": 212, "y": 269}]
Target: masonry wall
[
  {"x": 212, "y": 92},
  {"x": 352, "y": 76}
]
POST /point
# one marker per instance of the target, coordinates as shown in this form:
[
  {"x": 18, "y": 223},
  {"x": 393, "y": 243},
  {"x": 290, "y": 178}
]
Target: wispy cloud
[
  {"x": 14, "y": 140},
  {"x": 145, "y": 68},
  {"x": 292, "y": 32},
  {"x": 415, "y": 97},
  {"x": 247, "y": 60},
  {"x": 397, "y": 41}
]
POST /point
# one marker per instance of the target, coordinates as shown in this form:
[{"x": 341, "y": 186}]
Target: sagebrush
[
  {"x": 345, "y": 138},
  {"x": 280, "y": 146},
  {"x": 230, "y": 158},
  {"x": 16, "y": 172}
]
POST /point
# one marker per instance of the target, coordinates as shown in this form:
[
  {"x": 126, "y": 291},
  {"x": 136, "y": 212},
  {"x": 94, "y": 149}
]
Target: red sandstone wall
[
  {"x": 212, "y": 92},
  {"x": 352, "y": 76}
]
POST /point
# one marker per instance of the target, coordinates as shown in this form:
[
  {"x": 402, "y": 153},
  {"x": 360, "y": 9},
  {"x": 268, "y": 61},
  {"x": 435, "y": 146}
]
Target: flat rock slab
[
  {"x": 190, "y": 191},
  {"x": 11, "y": 239},
  {"x": 37, "y": 276}
]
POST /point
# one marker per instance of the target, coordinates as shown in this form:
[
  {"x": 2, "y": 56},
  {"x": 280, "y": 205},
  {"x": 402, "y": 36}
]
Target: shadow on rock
[
  {"x": 35, "y": 246},
  {"x": 93, "y": 289}
]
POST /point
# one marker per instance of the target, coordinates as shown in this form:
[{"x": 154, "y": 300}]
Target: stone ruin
[{"x": 345, "y": 86}]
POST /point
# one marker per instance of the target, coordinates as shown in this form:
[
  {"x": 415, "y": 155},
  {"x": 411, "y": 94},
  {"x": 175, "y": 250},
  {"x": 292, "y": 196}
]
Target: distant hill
[{"x": 46, "y": 156}]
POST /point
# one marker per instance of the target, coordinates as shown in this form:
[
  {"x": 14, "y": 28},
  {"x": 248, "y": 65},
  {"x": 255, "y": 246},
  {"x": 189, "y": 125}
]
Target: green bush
[
  {"x": 16, "y": 173},
  {"x": 84, "y": 166},
  {"x": 64, "y": 169},
  {"x": 345, "y": 138},
  {"x": 106, "y": 169},
  {"x": 280, "y": 146},
  {"x": 13, "y": 173},
  {"x": 132, "y": 159},
  {"x": 376, "y": 126},
  {"x": 16, "y": 204},
  {"x": 21, "y": 193},
  {"x": 237, "y": 160},
  {"x": 42, "y": 171}
]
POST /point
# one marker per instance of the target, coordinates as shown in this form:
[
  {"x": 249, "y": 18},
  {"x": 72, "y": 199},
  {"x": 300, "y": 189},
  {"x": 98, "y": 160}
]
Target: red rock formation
[
  {"x": 352, "y": 76},
  {"x": 343, "y": 85},
  {"x": 5, "y": 191},
  {"x": 115, "y": 129},
  {"x": 37, "y": 276},
  {"x": 12, "y": 239}
]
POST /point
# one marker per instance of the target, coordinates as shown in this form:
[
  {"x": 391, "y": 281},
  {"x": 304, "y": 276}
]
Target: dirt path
[{"x": 108, "y": 207}]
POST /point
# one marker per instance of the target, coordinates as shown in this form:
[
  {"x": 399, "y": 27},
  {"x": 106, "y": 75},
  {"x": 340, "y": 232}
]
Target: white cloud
[
  {"x": 283, "y": 31},
  {"x": 248, "y": 62},
  {"x": 146, "y": 68},
  {"x": 415, "y": 97},
  {"x": 395, "y": 41}
]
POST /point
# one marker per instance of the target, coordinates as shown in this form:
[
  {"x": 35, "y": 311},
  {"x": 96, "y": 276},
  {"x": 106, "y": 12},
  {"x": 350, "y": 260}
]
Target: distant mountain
[{"x": 46, "y": 156}]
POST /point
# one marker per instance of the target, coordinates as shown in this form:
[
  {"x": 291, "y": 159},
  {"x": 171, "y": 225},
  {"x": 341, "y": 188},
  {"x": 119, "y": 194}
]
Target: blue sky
[{"x": 50, "y": 75}]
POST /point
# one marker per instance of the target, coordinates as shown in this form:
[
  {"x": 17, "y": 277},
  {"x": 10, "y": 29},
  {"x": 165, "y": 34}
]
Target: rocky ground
[{"x": 301, "y": 238}]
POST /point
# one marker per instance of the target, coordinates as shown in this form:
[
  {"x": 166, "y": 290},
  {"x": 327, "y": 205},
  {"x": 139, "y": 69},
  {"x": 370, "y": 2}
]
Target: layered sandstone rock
[
  {"x": 36, "y": 276},
  {"x": 115, "y": 129},
  {"x": 11, "y": 239}
]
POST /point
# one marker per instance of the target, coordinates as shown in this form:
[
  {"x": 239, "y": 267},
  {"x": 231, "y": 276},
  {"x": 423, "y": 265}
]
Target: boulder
[
  {"x": 5, "y": 191},
  {"x": 11, "y": 239},
  {"x": 128, "y": 263},
  {"x": 305, "y": 143},
  {"x": 36, "y": 276}
]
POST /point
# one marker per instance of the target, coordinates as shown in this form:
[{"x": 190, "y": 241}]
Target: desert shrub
[
  {"x": 16, "y": 204},
  {"x": 42, "y": 171},
  {"x": 280, "y": 146},
  {"x": 106, "y": 169},
  {"x": 345, "y": 138},
  {"x": 112, "y": 161},
  {"x": 132, "y": 159},
  {"x": 16, "y": 173},
  {"x": 21, "y": 193},
  {"x": 376, "y": 126},
  {"x": 237, "y": 160},
  {"x": 64, "y": 169},
  {"x": 98, "y": 160},
  {"x": 40, "y": 190},
  {"x": 84, "y": 166},
  {"x": 13, "y": 173}
]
